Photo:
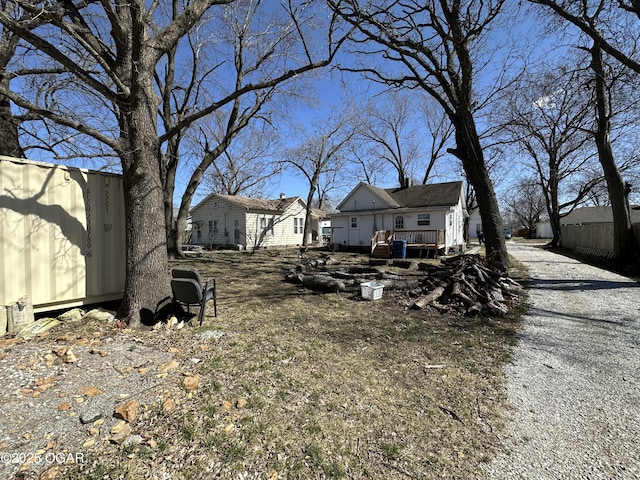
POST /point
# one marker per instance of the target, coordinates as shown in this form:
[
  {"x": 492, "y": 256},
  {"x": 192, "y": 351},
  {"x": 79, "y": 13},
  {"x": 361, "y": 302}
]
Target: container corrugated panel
[{"x": 62, "y": 239}]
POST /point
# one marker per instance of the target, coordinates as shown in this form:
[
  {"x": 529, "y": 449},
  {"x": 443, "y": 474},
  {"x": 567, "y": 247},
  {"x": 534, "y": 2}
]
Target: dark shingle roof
[{"x": 430, "y": 195}]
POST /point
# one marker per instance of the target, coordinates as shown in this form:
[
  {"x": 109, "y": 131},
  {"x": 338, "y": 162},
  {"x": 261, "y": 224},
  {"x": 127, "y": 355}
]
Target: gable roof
[
  {"x": 417, "y": 196},
  {"x": 430, "y": 195},
  {"x": 278, "y": 205}
]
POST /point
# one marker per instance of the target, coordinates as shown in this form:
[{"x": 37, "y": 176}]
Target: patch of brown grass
[{"x": 303, "y": 385}]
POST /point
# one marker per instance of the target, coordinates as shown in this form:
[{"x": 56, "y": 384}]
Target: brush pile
[{"x": 465, "y": 285}]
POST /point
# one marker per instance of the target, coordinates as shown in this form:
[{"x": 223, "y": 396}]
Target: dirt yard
[{"x": 285, "y": 383}]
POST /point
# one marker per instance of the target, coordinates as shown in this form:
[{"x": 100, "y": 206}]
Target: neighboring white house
[
  {"x": 475, "y": 223},
  {"x": 250, "y": 223},
  {"x": 425, "y": 216},
  {"x": 543, "y": 229}
]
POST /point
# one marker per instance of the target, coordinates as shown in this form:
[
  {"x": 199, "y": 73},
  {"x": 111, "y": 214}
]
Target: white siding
[
  {"x": 346, "y": 235},
  {"x": 454, "y": 227},
  {"x": 226, "y": 215},
  {"x": 363, "y": 199},
  {"x": 287, "y": 235},
  {"x": 543, "y": 230},
  {"x": 475, "y": 224},
  {"x": 278, "y": 228}
]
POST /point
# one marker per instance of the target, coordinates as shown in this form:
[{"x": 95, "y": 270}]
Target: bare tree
[
  {"x": 256, "y": 46},
  {"x": 318, "y": 158},
  {"x": 115, "y": 50},
  {"x": 435, "y": 42},
  {"x": 527, "y": 203},
  {"x": 548, "y": 116},
  {"x": 601, "y": 21},
  {"x": 389, "y": 132},
  {"x": 246, "y": 166},
  {"x": 440, "y": 130},
  {"x": 9, "y": 139}
]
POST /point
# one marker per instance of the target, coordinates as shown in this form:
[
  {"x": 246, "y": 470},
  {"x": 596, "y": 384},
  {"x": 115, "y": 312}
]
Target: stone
[
  {"x": 191, "y": 383},
  {"x": 51, "y": 473},
  {"x": 70, "y": 357},
  {"x": 49, "y": 359},
  {"x": 121, "y": 434},
  {"x": 118, "y": 426},
  {"x": 169, "y": 406},
  {"x": 241, "y": 403},
  {"x": 128, "y": 411},
  {"x": 71, "y": 315},
  {"x": 132, "y": 440},
  {"x": 89, "y": 443},
  {"x": 99, "y": 314},
  {"x": 90, "y": 416},
  {"x": 168, "y": 366},
  {"x": 64, "y": 406},
  {"x": 61, "y": 351},
  {"x": 91, "y": 391}
]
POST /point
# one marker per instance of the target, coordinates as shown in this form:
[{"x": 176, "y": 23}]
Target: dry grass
[{"x": 335, "y": 387}]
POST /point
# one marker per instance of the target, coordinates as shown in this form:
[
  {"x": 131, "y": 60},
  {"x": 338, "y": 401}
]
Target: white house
[
  {"x": 250, "y": 223},
  {"x": 475, "y": 223},
  {"x": 427, "y": 217}
]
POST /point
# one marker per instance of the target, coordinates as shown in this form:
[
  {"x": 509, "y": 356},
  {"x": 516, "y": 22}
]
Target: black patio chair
[{"x": 189, "y": 289}]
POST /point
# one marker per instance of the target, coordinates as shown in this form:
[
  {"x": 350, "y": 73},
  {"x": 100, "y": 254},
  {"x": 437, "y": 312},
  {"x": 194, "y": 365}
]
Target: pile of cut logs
[{"x": 465, "y": 285}]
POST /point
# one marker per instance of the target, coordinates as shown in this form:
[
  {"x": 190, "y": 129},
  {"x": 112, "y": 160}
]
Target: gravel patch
[{"x": 573, "y": 383}]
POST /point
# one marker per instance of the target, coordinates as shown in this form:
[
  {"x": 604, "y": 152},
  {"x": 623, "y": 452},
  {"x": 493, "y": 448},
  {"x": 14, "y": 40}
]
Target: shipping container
[{"x": 62, "y": 240}]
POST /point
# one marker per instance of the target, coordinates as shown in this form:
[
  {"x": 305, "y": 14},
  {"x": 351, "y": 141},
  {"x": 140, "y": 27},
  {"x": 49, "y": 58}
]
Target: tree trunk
[
  {"x": 469, "y": 151},
  {"x": 175, "y": 224},
  {"x": 147, "y": 266},
  {"x": 624, "y": 246},
  {"x": 554, "y": 214}
]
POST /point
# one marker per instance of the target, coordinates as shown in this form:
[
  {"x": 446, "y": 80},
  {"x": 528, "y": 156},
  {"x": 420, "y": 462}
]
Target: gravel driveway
[{"x": 574, "y": 381}]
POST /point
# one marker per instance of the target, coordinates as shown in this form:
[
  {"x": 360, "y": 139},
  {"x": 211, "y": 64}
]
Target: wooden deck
[{"x": 424, "y": 241}]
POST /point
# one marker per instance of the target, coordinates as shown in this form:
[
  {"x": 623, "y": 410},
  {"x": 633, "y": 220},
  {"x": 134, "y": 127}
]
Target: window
[
  {"x": 354, "y": 222},
  {"x": 424, "y": 219},
  {"x": 198, "y": 232},
  {"x": 215, "y": 227},
  {"x": 263, "y": 223},
  {"x": 295, "y": 225},
  {"x": 399, "y": 222},
  {"x": 210, "y": 227}
]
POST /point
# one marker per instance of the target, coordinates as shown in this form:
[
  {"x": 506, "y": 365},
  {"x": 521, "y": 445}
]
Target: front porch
[{"x": 423, "y": 241}]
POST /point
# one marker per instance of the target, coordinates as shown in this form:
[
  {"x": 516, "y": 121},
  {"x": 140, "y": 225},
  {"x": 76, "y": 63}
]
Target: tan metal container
[
  {"x": 4, "y": 320},
  {"x": 62, "y": 239}
]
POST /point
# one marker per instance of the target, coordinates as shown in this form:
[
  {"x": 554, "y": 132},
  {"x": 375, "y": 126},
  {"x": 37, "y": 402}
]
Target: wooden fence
[{"x": 595, "y": 239}]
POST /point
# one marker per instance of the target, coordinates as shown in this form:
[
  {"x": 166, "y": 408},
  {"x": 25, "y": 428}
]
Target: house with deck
[
  {"x": 426, "y": 219},
  {"x": 251, "y": 223}
]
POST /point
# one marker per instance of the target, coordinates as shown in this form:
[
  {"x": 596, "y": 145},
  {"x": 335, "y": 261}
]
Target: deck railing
[{"x": 420, "y": 237}]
